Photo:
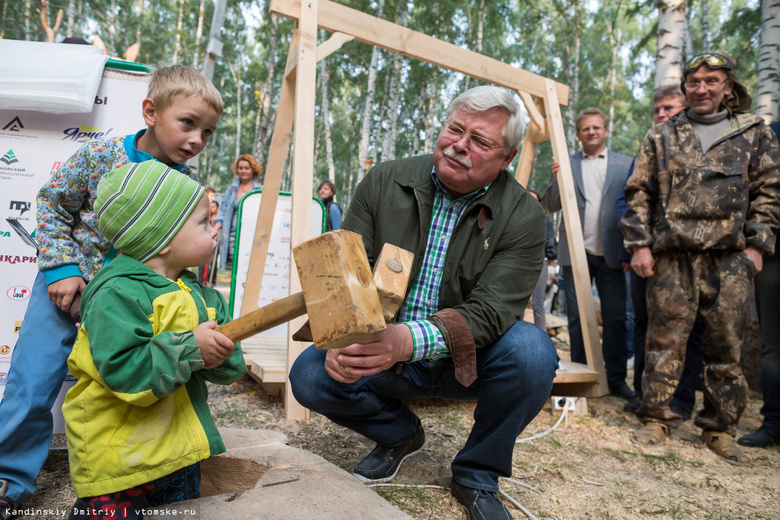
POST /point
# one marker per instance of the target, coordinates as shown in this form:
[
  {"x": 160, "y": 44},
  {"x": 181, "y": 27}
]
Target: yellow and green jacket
[{"x": 138, "y": 411}]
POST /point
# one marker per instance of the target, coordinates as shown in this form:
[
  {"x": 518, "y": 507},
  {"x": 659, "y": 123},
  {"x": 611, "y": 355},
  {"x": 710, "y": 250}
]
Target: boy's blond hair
[{"x": 169, "y": 82}]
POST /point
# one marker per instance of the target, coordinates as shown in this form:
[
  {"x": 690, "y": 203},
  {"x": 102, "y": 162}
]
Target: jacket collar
[{"x": 418, "y": 178}]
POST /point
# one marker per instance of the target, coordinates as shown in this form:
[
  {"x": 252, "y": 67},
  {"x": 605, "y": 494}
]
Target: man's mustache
[{"x": 455, "y": 156}]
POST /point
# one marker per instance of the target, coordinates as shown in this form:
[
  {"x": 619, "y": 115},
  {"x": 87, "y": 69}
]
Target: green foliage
[{"x": 537, "y": 35}]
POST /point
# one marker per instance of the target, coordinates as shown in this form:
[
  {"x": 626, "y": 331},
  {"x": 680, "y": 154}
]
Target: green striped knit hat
[{"x": 141, "y": 206}]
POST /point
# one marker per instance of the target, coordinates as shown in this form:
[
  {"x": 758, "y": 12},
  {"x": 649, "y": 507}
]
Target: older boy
[
  {"x": 137, "y": 419},
  {"x": 181, "y": 112}
]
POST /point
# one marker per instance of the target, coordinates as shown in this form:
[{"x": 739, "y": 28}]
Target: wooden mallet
[{"x": 338, "y": 292}]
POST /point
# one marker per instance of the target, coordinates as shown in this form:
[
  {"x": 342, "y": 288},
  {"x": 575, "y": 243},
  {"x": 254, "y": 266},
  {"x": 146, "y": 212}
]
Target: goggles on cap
[{"x": 713, "y": 60}]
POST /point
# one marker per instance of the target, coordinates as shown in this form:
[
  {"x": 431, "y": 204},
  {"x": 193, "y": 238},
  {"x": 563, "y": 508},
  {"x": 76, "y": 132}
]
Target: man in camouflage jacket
[{"x": 703, "y": 207}]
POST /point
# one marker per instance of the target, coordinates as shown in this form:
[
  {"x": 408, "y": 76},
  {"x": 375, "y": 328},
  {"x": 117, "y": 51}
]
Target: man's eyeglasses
[
  {"x": 713, "y": 60},
  {"x": 709, "y": 84},
  {"x": 454, "y": 133}
]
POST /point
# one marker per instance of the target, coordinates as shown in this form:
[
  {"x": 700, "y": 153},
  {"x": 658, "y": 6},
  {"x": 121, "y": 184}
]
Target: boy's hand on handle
[
  {"x": 63, "y": 293},
  {"x": 215, "y": 347}
]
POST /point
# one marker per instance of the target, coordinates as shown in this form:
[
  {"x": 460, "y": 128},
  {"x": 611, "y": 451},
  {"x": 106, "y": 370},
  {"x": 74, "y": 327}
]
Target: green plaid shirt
[{"x": 423, "y": 299}]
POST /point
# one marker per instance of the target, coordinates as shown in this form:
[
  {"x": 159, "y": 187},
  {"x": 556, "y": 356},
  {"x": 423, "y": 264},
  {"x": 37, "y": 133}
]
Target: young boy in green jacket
[{"x": 137, "y": 420}]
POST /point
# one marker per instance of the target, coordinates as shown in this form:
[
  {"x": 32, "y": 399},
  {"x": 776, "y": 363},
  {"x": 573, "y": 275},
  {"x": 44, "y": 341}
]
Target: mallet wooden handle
[{"x": 264, "y": 318}]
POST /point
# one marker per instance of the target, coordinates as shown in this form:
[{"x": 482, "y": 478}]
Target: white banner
[
  {"x": 276, "y": 275},
  {"x": 32, "y": 146}
]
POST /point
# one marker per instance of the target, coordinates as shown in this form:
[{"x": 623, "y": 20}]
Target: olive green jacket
[
  {"x": 493, "y": 259},
  {"x": 682, "y": 198}
]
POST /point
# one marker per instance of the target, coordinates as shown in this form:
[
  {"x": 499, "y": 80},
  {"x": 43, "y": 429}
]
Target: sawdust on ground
[{"x": 589, "y": 470}]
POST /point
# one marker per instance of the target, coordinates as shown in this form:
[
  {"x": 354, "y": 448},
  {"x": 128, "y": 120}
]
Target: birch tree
[
  {"x": 325, "y": 111},
  {"x": 366, "y": 127},
  {"x": 198, "y": 34},
  {"x": 671, "y": 31},
  {"x": 705, "y": 26},
  {"x": 574, "y": 78},
  {"x": 768, "y": 81}
]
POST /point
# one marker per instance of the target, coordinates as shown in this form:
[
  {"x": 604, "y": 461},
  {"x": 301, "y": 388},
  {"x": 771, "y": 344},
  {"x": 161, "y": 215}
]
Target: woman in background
[
  {"x": 326, "y": 191},
  {"x": 247, "y": 170}
]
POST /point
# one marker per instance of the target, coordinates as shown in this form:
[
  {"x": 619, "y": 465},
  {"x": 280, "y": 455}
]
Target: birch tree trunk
[
  {"x": 365, "y": 130},
  {"x": 237, "y": 79},
  {"x": 614, "y": 41},
  {"x": 27, "y": 25},
  {"x": 688, "y": 51},
  {"x": 71, "y": 18},
  {"x": 768, "y": 81},
  {"x": 138, "y": 29},
  {"x": 266, "y": 119},
  {"x": 198, "y": 34},
  {"x": 430, "y": 123},
  {"x": 671, "y": 32},
  {"x": 705, "y": 26},
  {"x": 574, "y": 78},
  {"x": 177, "y": 40},
  {"x": 391, "y": 136},
  {"x": 325, "y": 107}
]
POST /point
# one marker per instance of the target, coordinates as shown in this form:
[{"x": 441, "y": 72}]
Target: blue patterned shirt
[{"x": 423, "y": 298}]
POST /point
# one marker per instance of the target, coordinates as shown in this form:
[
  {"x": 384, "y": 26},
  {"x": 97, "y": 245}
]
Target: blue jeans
[
  {"x": 768, "y": 305},
  {"x": 611, "y": 284},
  {"x": 514, "y": 380},
  {"x": 38, "y": 366}
]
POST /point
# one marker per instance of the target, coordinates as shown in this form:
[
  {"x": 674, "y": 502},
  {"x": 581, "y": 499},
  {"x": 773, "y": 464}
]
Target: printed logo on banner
[
  {"x": 21, "y": 206},
  {"x": 16, "y": 259},
  {"x": 3, "y": 378},
  {"x": 18, "y": 293},
  {"x": 5, "y": 234},
  {"x": 14, "y": 125},
  {"x": 9, "y": 158},
  {"x": 56, "y": 166},
  {"x": 83, "y": 133},
  {"x": 17, "y": 326},
  {"x": 5, "y": 350},
  {"x": 9, "y": 169}
]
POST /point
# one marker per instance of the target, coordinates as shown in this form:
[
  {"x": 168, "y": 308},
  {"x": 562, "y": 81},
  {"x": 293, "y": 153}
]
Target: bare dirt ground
[{"x": 590, "y": 470}]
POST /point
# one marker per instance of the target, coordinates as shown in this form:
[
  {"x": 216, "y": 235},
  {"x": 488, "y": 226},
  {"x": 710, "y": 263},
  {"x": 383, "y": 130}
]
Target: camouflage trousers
[{"x": 716, "y": 287}]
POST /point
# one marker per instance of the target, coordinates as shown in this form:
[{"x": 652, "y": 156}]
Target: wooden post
[
  {"x": 582, "y": 285},
  {"x": 298, "y": 98},
  {"x": 303, "y": 171},
  {"x": 272, "y": 183}
]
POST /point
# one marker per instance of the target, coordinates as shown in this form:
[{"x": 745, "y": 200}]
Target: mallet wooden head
[
  {"x": 345, "y": 303},
  {"x": 341, "y": 298}
]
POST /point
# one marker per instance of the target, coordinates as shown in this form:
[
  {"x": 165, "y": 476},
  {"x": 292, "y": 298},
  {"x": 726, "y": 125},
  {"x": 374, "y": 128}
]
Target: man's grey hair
[
  {"x": 486, "y": 97},
  {"x": 670, "y": 91}
]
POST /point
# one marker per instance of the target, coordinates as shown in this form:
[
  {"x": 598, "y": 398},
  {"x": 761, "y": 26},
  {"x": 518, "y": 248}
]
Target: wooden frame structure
[{"x": 541, "y": 96}]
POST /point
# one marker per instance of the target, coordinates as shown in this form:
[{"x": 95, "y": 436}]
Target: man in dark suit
[{"x": 599, "y": 175}]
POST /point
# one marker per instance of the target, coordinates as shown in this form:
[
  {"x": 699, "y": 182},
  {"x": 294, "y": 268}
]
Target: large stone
[{"x": 260, "y": 476}]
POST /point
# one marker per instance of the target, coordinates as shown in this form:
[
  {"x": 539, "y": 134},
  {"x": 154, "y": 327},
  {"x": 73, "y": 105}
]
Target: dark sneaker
[
  {"x": 761, "y": 438},
  {"x": 480, "y": 504},
  {"x": 621, "y": 390},
  {"x": 6, "y": 504},
  {"x": 382, "y": 464}
]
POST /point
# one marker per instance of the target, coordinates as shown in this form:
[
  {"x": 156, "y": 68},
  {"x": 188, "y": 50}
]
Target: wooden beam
[
  {"x": 332, "y": 44},
  {"x": 582, "y": 285},
  {"x": 533, "y": 111},
  {"x": 272, "y": 183},
  {"x": 289, "y": 68},
  {"x": 526, "y": 161},
  {"x": 536, "y": 132},
  {"x": 369, "y": 29},
  {"x": 303, "y": 171}
]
